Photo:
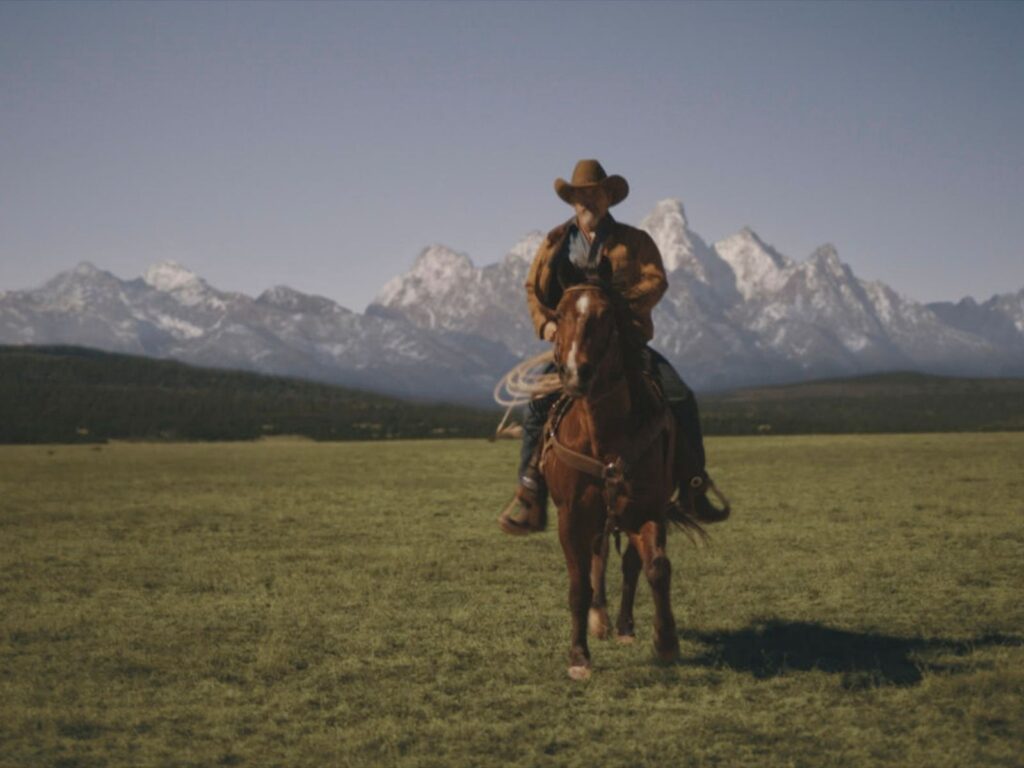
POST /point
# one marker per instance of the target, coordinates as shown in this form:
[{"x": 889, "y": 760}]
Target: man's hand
[{"x": 550, "y": 329}]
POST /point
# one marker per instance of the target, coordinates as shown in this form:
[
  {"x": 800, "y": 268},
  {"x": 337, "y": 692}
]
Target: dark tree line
[
  {"x": 75, "y": 394},
  {"x": 65, "y": 394}
]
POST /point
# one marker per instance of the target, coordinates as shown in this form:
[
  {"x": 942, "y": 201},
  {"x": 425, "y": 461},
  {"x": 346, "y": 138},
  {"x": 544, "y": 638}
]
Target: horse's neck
[{"x": 607, "y": 411}]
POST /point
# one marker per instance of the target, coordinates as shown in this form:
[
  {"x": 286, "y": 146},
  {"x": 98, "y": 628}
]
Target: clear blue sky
[{"x": 323, "y": 145}]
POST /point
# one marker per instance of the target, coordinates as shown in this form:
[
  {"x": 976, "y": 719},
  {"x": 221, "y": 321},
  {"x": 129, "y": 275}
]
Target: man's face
[{"x": 591, "y": 205}]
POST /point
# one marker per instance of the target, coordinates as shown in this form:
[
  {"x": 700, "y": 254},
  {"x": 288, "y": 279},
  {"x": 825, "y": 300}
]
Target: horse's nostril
[{"x": 584, "y": 371}]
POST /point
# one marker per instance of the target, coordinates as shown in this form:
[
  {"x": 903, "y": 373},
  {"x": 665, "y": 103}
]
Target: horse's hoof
[
  {"x": 579, "y": 673},
  {"x": 625, "y": 639},
  {"x": 599, "y": 624},
  {"x": 667, "y": 655}
]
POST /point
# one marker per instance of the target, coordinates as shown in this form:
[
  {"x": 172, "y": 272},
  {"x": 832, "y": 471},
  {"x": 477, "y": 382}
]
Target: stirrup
[{"x": 690, "y": 499}]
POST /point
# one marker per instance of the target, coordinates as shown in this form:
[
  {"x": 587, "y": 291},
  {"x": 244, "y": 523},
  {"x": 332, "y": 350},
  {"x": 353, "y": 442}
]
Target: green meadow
[{"x": 294, "y": 603}]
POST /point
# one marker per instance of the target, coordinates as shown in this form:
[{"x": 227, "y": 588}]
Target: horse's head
[{"x": 587, "y": 333}]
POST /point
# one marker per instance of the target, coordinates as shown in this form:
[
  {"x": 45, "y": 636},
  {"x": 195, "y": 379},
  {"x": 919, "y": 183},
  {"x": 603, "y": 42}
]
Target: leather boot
[
  {"x": 694, "y": 482},
  {"x": 528, "y": 510},
  {"x": 693, "y": 495}
]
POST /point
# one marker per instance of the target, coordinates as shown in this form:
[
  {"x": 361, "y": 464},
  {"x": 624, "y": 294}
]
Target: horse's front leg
[
  {"x": 624, "y": 630},
  {"x": 597, "y": 619},
  {"x": 576, "y": 544},
  {"x": 650, "y": 542}
]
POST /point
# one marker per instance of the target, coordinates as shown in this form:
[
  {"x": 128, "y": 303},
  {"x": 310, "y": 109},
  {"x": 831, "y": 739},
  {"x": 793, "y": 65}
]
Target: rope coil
[
  {"x": 526, "y": 381},
  {"x": 523, "y": 383}
]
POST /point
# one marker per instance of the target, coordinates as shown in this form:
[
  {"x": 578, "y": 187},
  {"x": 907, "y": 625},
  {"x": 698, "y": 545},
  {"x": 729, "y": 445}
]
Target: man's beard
[{"x": 588, "y": 219}]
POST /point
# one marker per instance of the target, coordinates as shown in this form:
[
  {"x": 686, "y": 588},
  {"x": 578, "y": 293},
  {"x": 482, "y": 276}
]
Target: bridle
[{"x": 613, "y": 337}]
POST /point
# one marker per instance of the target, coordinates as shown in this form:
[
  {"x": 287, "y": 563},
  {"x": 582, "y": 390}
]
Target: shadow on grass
[{"x": 864, "y": 659}]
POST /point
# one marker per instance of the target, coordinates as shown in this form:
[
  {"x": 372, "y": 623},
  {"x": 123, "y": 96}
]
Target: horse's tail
[{"x": 685, "y": 521}]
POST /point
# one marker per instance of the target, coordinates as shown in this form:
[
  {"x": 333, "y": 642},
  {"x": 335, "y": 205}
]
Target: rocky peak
[
  {"x": 748, "y": 234},
  {"x": 685, "y": 253},
  {"x": 525, "y": 249},
  {"x": 73, "y": 290},
  {"x": 286, "y": 298},
  {"x": 758, "y": 267},
  {"x": 183, "y": 285},
  {"x": 83, "y": 273},
  {"x": 440, "y": 258},
  {"x": 280, "y": 294},
  {"x": 1010, "y": 305},
  {"x": 435, "y": 272},
  {"x": 826, "y": 253},
  {"x": 826, "y": 257},
  {"x": 169, "y": 275},
  {"x": 667, "y": 225},
  {"x": 670, "y": 210},
  {"x": 86, "y": 268}
]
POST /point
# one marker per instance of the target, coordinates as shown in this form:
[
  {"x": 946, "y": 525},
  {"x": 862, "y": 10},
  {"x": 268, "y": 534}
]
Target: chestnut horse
[{"x": 608, "y": 463}]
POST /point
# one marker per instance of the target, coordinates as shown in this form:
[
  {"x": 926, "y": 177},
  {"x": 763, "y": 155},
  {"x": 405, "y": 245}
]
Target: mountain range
[{"x": 737, "y": 313}]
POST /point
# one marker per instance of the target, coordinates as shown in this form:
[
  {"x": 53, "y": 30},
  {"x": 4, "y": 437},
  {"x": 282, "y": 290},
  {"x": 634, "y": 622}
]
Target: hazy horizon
[{"x": 322, "y": 146}]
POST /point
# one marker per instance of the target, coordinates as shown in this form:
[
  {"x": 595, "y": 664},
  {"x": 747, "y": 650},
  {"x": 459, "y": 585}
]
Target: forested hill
[
  {"x": 886, "y": 402},
  {"x": 77, "y": 394},
  {"x": 65, "y": 394}
]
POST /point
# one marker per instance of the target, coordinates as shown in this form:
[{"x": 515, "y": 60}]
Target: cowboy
[{"x": 590, "y": 241}]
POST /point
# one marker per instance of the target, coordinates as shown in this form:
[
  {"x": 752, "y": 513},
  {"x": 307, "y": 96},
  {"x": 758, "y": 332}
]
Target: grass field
[{"x": 296, "y": 603}]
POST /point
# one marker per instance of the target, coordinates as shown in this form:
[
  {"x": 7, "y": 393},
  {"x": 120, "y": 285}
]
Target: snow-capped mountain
[
  {"x": 737, "y": 312},
  {"x": 819, "y": 316},
  {"x": 684, "y": 253},
  {"x": 444, "y": 290},
  {"x": 1000, "y": 320},
  {"x": 756, "y": 268},
  {"x": 171, "y": 312}
]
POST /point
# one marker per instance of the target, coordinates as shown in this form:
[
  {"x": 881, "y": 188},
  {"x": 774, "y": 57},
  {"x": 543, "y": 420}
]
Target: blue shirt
[{"x": 585, "y": 254}]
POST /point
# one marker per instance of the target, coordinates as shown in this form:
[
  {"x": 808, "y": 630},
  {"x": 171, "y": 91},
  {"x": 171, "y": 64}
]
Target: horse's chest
[{"x": 641, "y": 489}]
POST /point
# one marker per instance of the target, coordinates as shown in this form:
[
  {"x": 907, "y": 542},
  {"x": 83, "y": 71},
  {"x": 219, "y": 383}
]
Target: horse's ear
[{"x": 604, "y": 270}]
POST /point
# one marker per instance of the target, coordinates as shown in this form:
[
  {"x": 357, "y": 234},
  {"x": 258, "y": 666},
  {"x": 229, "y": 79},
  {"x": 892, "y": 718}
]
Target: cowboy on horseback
[{"x": 593, "y": 243}]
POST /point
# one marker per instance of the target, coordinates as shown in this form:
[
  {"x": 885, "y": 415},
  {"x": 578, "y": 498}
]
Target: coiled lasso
[{"x": 522, "y": 384}]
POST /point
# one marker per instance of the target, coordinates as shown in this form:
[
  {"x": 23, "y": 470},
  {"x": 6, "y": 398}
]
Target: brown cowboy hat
[{"x": 589, "y": 173}]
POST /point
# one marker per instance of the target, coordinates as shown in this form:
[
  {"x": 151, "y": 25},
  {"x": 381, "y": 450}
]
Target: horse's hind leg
[
  {"x": 597, "y": 619},
  {"x": 658, "y": 570},
  {"x": 624, "y": 630}
]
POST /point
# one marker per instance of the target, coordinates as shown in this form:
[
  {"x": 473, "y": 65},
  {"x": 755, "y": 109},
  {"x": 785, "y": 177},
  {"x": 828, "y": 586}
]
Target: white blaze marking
[
  {"x": 571, "y": 363},
  {"x": 583, "y": 304}
]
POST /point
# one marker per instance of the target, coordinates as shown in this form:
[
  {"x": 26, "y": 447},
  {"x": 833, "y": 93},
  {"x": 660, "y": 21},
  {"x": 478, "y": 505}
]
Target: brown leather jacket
[{"x": 637, "y": 272}]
